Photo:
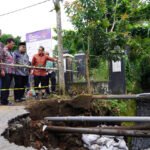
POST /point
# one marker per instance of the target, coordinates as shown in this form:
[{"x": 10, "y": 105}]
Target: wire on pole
[{"x": 17, "y": 10}]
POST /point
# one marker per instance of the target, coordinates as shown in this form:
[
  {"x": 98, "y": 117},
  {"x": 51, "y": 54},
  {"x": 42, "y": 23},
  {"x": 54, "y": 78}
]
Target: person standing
[
  {"x": 39, "y": 60},
  {"x": 51, "y": 75},
  {"x": 1, "y": 49},
  {"x": 7, "y": 72},
  {"x": 21, "y": 73}
]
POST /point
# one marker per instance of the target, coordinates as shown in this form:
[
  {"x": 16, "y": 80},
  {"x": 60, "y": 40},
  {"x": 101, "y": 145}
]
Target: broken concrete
[{"x": 7, "y": 114}]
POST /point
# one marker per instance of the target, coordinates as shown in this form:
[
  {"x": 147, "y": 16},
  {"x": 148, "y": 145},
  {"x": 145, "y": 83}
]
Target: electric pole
[{"x": 60, "y": 47}]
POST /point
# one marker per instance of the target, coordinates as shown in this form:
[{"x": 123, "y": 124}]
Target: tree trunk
[
  {"x": 60, "y": 48},
  {"x": 87, "y": 68}
]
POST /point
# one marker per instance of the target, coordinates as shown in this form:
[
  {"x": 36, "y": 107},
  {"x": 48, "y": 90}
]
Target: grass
[{"x": 101, "y": 73}]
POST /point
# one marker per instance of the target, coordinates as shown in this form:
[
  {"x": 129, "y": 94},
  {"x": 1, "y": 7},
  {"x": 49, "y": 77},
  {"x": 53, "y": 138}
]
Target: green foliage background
[
  {"x": 117, "y": 29},
  {"x": 4, "y": 37}
]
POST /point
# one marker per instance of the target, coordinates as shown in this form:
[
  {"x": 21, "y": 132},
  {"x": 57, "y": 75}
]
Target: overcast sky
[{"x": 29, "y": 20}]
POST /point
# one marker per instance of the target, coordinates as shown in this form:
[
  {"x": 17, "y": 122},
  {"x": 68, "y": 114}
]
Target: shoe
[
  {"x": 44, "y": 96},
  {"x": 37, "y": 97},
  {"x": 53, "y": 92},
  {"x": 48, "y": 93},
  {"x": 23, "y": 99},
  {"x": 18, "y": 100},
  {"x": 8, "y": 104}
]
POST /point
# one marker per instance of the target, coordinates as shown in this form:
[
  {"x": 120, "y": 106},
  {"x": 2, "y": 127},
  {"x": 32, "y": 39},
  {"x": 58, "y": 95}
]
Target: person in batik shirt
[{"x": 7, "y": 72}]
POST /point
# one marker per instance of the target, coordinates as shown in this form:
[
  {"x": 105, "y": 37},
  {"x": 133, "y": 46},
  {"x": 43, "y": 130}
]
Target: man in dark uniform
[{"x": 21, "y": 73}]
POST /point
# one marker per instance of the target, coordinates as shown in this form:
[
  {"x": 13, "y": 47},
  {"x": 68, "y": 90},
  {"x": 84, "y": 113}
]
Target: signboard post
[
  {"x": 117, "y": 77},
  {"x": 36, "y": 39},
  {"x": 116, "y": 66}
]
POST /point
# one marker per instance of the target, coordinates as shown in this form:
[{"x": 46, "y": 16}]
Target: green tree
[
  {"x": 107, "y": 27},
  {"x": 71, "y": 41},
  {"x": 85, "y": 17},
  {"x": 97, "y": 23},
  {"x": 4, "y": 37},
  {"x": 139, "y": 47}
]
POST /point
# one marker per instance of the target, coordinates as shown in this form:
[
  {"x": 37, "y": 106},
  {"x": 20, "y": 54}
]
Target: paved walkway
[{"x": 8, "y": 113}]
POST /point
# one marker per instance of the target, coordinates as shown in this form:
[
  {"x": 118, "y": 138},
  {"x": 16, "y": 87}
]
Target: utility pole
[{"x": 60, "y": 47}]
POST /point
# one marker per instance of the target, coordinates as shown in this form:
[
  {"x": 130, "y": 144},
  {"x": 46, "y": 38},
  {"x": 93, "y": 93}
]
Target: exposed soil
[{"x": 29, "y": 132}]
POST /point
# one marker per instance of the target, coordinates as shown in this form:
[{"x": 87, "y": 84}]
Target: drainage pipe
[
  {"x": 99, "y": 119},
  {"x": 100, "y": 131},
  {"x": 120, "y": 96}
]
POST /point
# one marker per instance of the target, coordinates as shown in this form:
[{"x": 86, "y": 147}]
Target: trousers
[
  {"x": 20, "y": 82},
  {"x": 6, "y": 82}
]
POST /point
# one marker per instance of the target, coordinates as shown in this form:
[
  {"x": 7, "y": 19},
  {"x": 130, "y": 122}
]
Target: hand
[
  {"x": 59, "y": 61},
  {"x": 55, "y": 59},
  {"x": 31, "y": 72},
  {"x": 2, "y": 73}
]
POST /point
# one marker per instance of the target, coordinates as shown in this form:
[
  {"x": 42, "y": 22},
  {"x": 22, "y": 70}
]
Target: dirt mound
[
  {"x": 57, "y": 108},
  {"x": 31, "y": 134},
  {"x": 83, "y": 105}
]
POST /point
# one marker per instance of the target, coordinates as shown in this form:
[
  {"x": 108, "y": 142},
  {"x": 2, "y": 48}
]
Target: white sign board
[
  {"x": 36, "y": 39},
  {"x": 116, "y": 66}
]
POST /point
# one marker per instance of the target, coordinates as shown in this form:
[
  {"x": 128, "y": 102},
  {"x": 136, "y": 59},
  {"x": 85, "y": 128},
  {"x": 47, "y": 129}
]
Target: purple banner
[{"x": 38, "y": 35}]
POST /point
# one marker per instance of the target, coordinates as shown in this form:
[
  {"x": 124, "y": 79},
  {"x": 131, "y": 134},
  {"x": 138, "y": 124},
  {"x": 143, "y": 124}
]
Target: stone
[{"x": 19, "y": 126}]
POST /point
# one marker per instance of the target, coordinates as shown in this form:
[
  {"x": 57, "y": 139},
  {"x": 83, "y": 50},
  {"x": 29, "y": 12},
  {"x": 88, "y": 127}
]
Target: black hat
[{"x": 22, "y": 43}]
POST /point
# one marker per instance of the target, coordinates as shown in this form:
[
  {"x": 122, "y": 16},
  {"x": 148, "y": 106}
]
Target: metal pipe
[
  {"x": 100, "y": 119},
  {"x": 100, "y": 131},
  {"x": 30, "y": 67},
  {"x": 137, "y": 127},
  {"x": 133, "y": 96},
  {"x": 114, "y": 96}
]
